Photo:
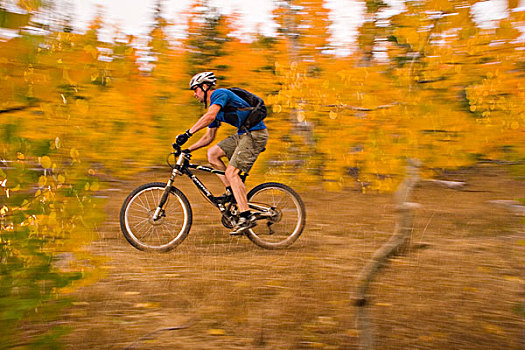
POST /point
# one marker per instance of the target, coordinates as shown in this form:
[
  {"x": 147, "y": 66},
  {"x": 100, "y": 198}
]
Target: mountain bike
[{"x": 157, "y": 216}]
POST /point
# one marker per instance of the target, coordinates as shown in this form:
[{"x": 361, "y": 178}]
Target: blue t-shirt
[{"x": 225, "y": 98}]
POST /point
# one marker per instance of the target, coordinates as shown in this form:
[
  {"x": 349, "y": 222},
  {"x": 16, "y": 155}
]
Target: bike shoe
[{"x": 243, "y": 224}]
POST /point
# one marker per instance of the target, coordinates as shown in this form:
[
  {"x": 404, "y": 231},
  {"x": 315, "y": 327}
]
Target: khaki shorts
[{"x": 242, "y": 151}]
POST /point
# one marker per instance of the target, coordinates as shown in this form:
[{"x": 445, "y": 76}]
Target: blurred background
[{"x": 95, "y": 91}]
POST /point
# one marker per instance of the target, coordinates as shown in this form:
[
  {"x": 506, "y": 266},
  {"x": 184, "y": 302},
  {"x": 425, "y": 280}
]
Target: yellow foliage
[
  {"x": 446, "y": 92},
  {"x": 372, "y": 119}
]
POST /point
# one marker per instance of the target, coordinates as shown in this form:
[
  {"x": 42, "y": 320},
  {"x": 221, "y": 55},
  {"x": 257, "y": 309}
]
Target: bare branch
[
  {"x": 395, "y": 244},
  {"x": 362, "y": 109}
]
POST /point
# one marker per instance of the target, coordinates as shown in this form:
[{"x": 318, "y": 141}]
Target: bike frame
[{"x": 182, "y": 167}]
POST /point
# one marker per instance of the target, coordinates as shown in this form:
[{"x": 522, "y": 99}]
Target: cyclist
[{"x": 241, "y": 149}]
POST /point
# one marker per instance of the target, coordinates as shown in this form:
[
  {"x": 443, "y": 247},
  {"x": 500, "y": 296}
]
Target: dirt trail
[{"x": 465, "y": 290}]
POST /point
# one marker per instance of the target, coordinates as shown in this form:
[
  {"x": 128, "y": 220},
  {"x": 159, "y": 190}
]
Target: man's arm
[
  {"x": 206, "y": 119},
  {"x": 203, "y": 122},
  {"x": 205, "y": 140}
]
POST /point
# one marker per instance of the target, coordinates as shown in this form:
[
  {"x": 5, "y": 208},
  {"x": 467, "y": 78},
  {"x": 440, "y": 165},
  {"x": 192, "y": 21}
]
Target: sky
[{"x": 136, "y": 16}]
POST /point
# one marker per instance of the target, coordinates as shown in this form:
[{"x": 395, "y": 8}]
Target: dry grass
[{"x": 462, "y": 291}]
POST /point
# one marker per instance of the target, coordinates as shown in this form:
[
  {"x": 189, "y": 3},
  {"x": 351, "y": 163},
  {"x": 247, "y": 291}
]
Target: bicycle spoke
[
  {"x": 147, "y": 233},
  {"x": 165, "y": 230},
  {"x": 139, "y": 217},
  {"x": 143, "y": 223},
  {"x": 141, "y": 205}
]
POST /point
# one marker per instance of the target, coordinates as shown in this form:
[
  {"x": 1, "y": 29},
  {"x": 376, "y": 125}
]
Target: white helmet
[{"x": 203, "y": 78}]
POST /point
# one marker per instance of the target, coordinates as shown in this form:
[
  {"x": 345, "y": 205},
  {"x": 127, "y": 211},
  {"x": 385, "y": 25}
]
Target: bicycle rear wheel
[
  {"x": 282, "y": 215},
  {"x": 163, "y": 234}
]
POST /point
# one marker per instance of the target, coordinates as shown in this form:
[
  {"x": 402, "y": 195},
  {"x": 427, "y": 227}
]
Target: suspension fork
[
  {"x": 159, "y": 211},
  {"x": 175, "y": 172}
]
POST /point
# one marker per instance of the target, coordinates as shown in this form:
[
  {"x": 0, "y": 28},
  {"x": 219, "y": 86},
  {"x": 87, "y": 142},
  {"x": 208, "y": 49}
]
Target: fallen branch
[{"x": 397, "y": 243}]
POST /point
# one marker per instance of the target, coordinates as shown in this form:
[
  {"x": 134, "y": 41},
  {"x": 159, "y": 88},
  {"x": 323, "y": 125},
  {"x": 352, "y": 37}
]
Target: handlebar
[
  {"x": 177, "y": 149},
  {"x": 177, "y": 155}
]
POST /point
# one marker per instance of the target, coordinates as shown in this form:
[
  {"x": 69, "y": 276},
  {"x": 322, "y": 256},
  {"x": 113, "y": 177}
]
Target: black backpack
[{"x": 257, "y": 107}]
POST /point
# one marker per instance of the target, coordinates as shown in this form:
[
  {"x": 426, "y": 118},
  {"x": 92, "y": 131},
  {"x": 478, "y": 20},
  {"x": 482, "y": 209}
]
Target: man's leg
[
  {"x": 242, "y": 159},
  {"x": 243, "y": 155},
  {"x": 238, "y": 188},
  {"x": 215, "y": 153},
  {"x": 246, "y": 218}
]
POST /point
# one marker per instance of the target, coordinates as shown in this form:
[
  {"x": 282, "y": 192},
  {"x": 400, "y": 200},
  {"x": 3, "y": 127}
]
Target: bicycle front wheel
[
  {"x": 163, "y": 234},
  {"x": 281, "y": 212}
]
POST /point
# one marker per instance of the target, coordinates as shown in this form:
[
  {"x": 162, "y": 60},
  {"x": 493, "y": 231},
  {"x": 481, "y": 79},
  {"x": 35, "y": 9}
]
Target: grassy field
[{"x": 460, "y": 286}]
